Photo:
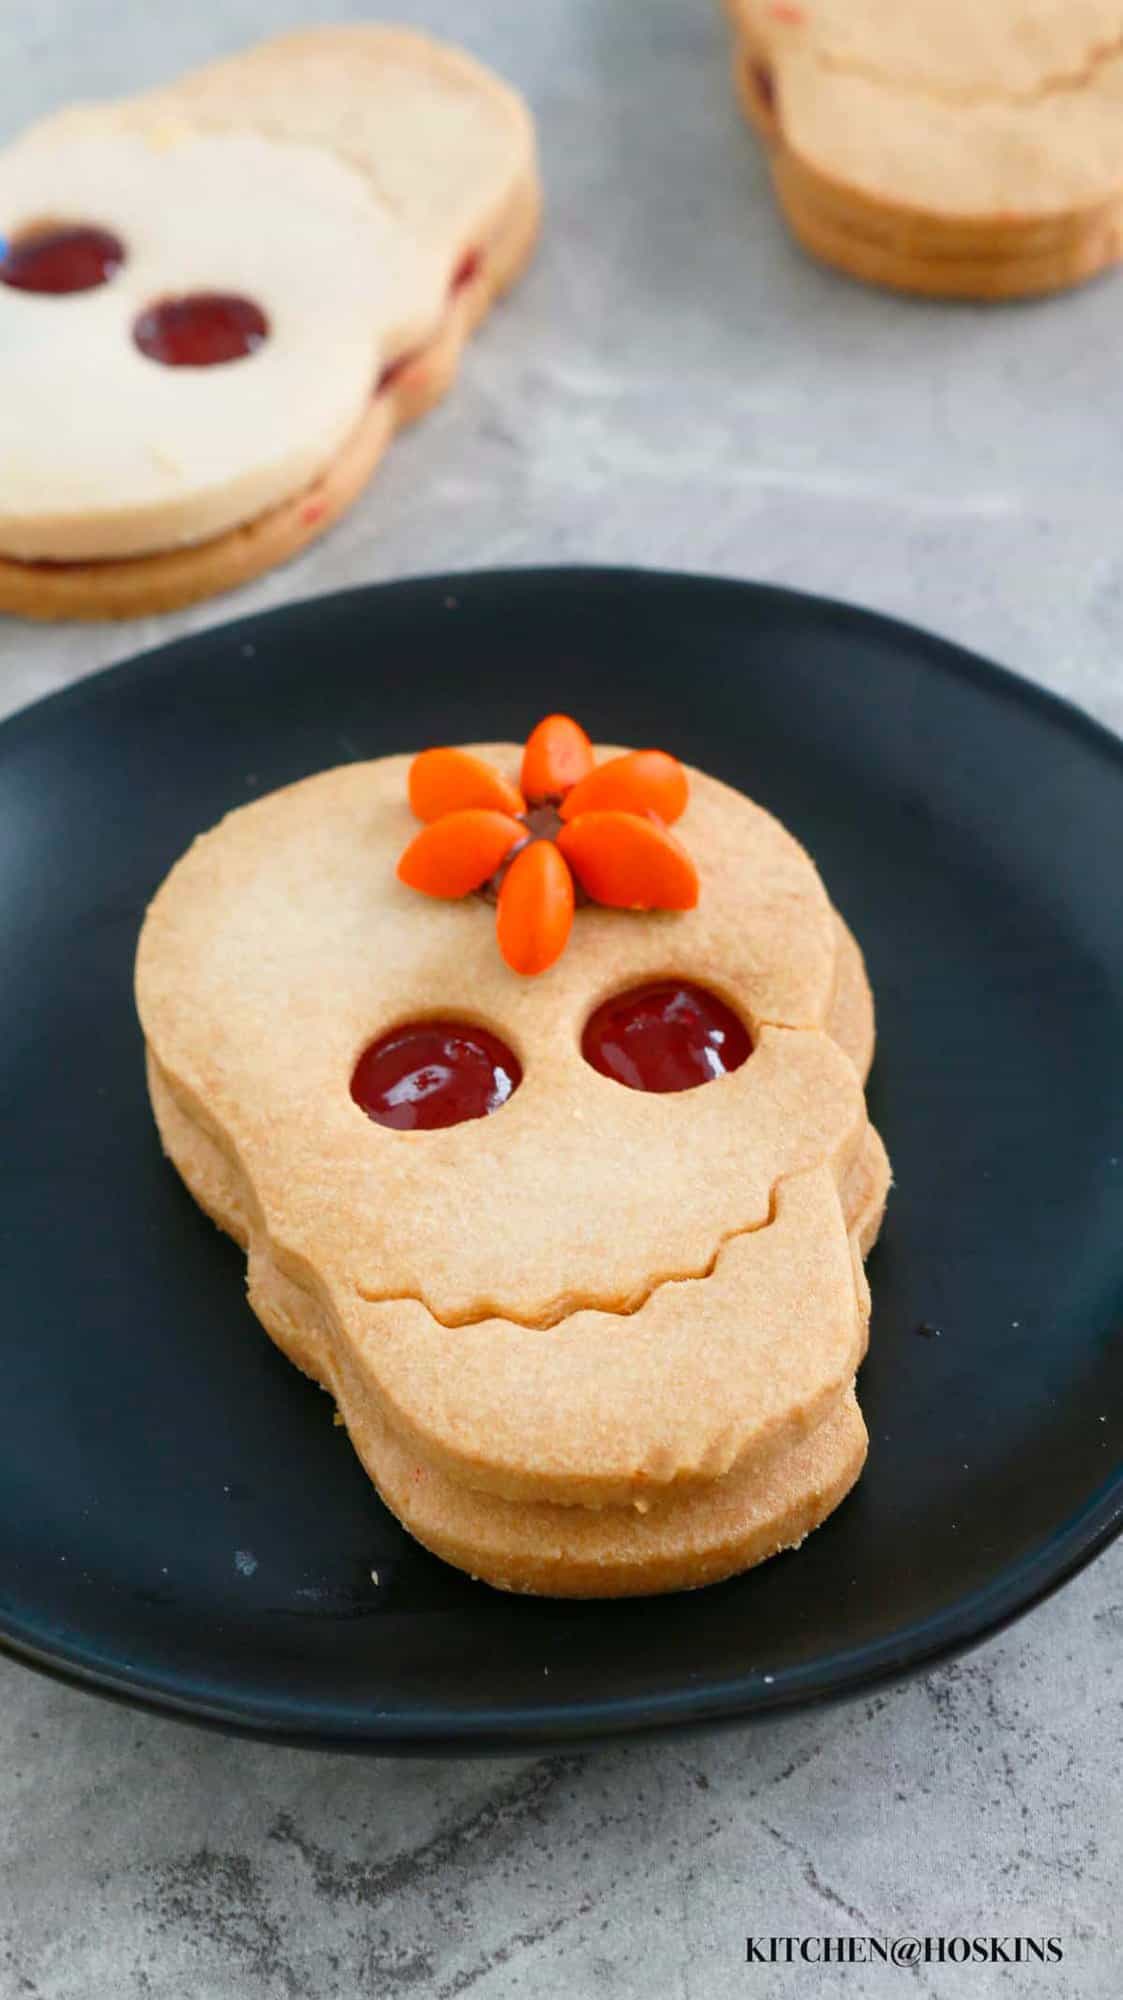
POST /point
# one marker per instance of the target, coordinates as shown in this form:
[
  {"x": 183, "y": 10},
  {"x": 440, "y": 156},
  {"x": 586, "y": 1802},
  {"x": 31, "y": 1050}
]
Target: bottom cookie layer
[
  {"x": 542, "y": 1548},
  {"x": 137, "y": 587},
  {"x": 555, "y": 1551}
]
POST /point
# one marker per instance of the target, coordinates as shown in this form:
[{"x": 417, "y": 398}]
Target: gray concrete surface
[{"x": 672, "y": 384}]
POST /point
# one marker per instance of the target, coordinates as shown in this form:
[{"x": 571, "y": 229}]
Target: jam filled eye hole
[
  {"x": 428, "y": 1074},
  {"x": 666, "y": 1036},
  {"x": 200, "y": 330},
  {"x": 60, "y": 258}
]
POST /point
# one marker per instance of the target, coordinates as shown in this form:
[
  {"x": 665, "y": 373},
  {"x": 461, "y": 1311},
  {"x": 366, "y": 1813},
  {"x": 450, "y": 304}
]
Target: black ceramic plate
[{"x": 181, "y": 1524}]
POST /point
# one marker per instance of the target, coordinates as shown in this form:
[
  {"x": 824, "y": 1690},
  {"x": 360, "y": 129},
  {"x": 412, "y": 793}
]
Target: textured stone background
[{"x": 672, "y": 384}]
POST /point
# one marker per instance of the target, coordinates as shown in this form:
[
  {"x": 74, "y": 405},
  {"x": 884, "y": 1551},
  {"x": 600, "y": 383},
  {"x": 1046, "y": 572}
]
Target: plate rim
[
  {"x": 959, "y": 1626},
  {"x": 547, "y": 1727}
]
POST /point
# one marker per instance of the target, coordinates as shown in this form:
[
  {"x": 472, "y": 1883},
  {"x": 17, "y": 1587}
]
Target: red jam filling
[
  {"x": 666, "y": 1036},
  {"x": 201, "y": 330},
  {"x": 764, "y": 84},
  {"x": 76, "y": 258},
  {"x": 393, "y": 369},
  {"x": 467, "y": 269},
  {"x": 428, "y": 1074}
]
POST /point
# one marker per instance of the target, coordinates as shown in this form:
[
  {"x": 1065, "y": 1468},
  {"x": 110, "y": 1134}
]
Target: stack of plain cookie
[
  {"x": 942, "y": 146},
  {"x": 604, "y": 1341}
]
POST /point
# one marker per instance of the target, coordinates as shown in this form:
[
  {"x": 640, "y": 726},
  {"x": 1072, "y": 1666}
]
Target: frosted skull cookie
[
  {"x": 234, "y": 289},
  {"x": 532, "y": 1085}
]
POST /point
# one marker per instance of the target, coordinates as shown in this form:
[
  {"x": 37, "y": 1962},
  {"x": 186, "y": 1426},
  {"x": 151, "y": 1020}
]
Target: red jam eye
[
  {"x": 74, "y": 258},
  {"x": 201, "y": 330},
  {"x": 667, "y": 1036},
  {"x": 427, "y": 1074}
]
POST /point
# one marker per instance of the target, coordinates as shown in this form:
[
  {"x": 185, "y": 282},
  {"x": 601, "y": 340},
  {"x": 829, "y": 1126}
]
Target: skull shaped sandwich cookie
[
  {"x": 219, "y": 301},
  {"x": 532, "y": 1085}
]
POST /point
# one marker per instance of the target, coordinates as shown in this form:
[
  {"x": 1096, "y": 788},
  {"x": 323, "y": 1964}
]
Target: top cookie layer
[
  {"x": 439, "y": 138},
  {"x": 282, "y": 944}
]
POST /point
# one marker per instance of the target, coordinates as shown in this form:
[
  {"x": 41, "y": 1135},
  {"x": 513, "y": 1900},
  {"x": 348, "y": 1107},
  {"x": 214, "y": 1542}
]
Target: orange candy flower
[{"x": 604, "y": 826}]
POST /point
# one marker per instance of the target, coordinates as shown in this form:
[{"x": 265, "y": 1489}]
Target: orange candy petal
[
  {"x": 444, "y": 781},
  {"x": 535, "y": 909},
  {"x": 629, "y": 863},
  {"x": 558, "y": 755},
  {"x": 459, "y": 853},
  {"x": 643, "y": 781}
]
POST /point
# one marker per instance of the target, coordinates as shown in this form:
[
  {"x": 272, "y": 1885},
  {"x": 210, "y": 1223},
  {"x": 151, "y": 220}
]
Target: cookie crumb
[{"x": 245, "y": 1562}]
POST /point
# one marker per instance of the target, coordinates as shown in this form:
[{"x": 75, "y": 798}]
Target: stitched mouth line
[
  {"x": 560, "y": 1310},
  {"x": 1060, "y": 84}
]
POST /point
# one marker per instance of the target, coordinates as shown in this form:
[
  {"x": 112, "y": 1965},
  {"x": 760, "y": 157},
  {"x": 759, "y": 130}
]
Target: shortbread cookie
[
  {"x": 170, "y": 481},
  {"x": 604, "y": 1296},
  {"x": 942, "y": 147},
  {"x": 698, "y": 1537},
  {"x": 499, "y": 1378},
  {"x": 225, "y": 920},
  {"x": 617, "y": 1552},
  {"x": 849, "y": 1018}
]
